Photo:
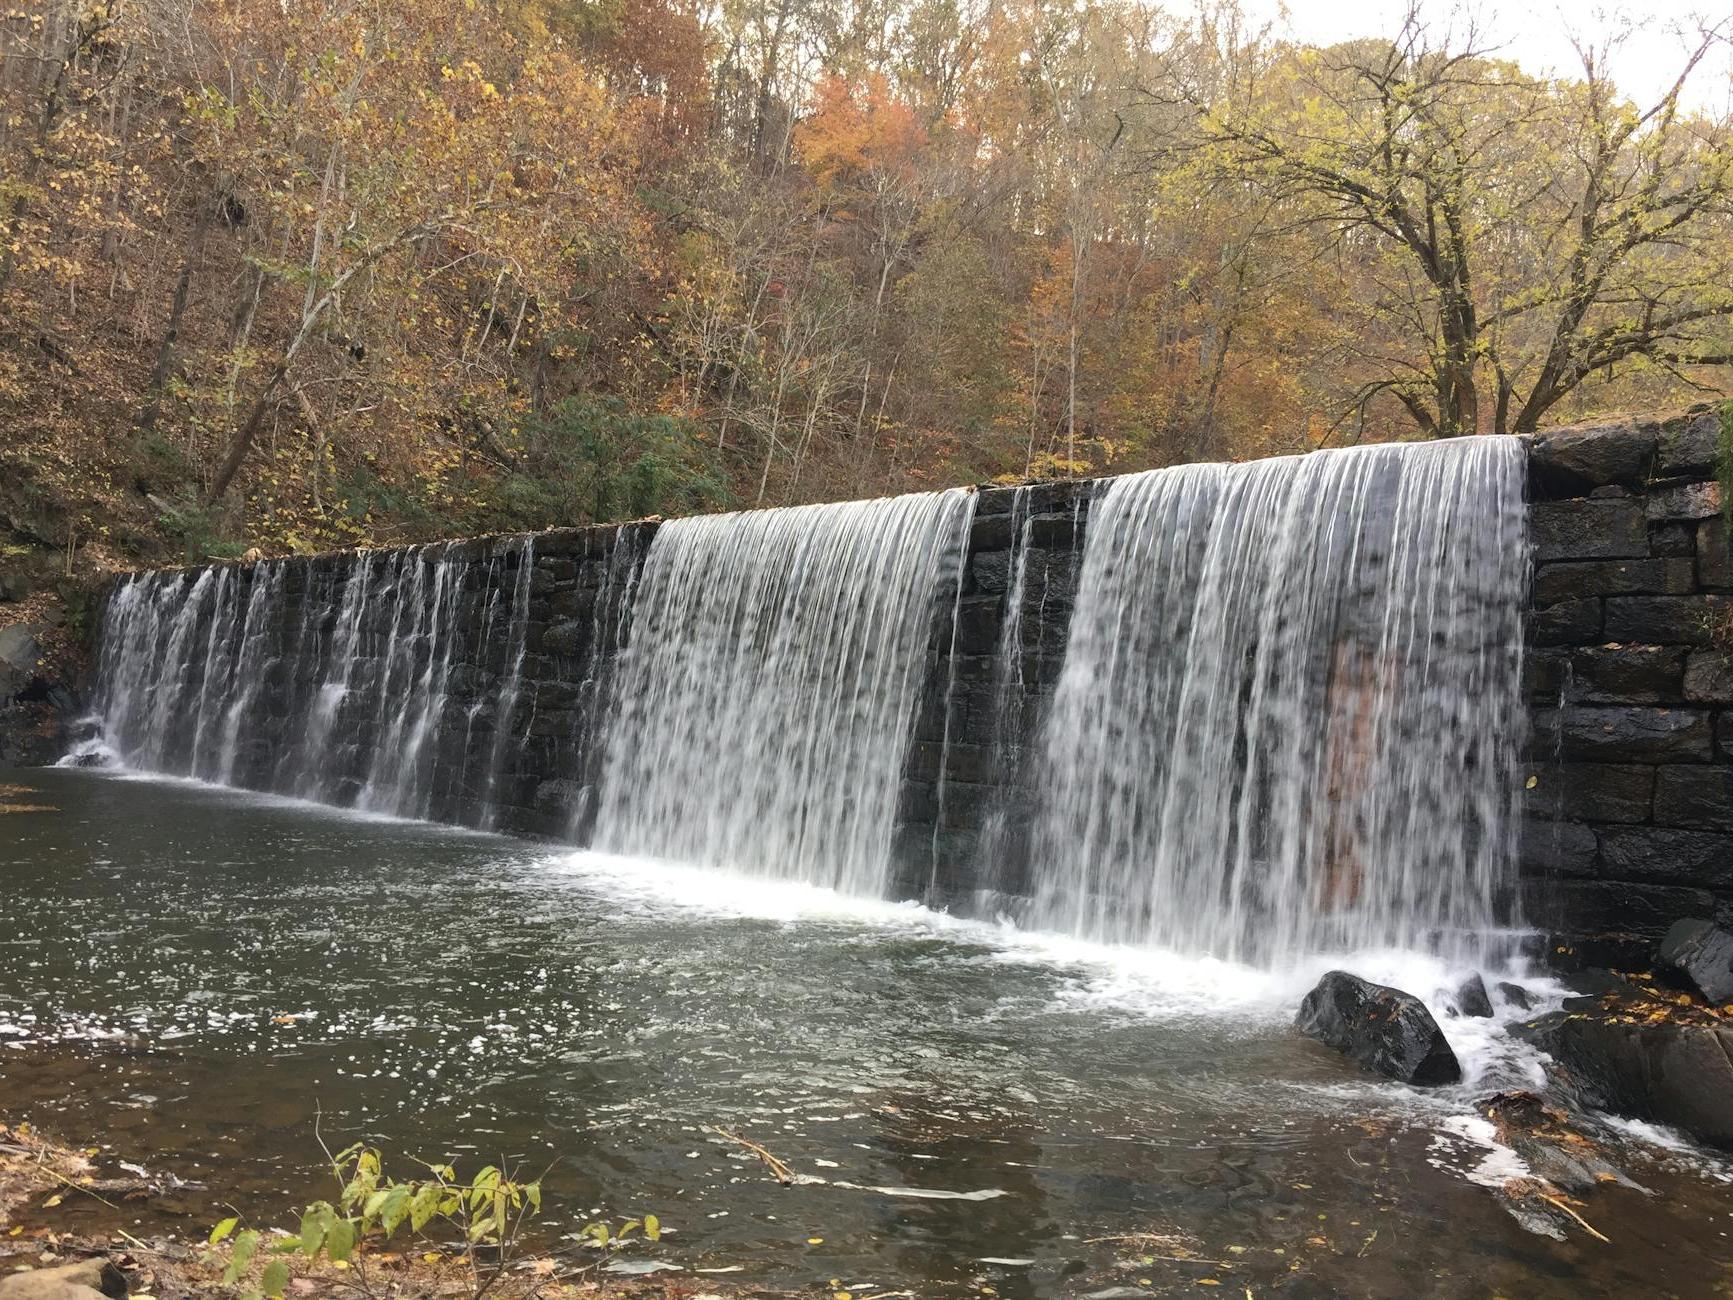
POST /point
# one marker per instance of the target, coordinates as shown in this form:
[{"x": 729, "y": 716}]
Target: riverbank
[{"x": 48, "y": 1251}]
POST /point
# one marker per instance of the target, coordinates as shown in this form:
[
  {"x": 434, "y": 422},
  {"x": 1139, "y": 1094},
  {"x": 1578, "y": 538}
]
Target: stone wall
[
  {"x": 966, "y": 794},
  {"x": 1630, "y": 679},
  {"x": 289, "y": 629}
]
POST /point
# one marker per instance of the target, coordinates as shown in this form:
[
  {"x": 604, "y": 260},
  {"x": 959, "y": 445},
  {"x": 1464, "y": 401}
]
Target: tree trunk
[{"x": 165, "y": 352}]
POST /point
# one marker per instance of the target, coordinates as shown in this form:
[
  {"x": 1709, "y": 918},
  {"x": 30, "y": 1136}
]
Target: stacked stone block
[{"x": 1630, "y": 679}]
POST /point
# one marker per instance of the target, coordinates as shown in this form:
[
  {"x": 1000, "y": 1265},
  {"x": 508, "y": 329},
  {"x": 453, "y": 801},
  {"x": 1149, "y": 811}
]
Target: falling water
[
  {"x": 511, "y": 684},
  {"x": 389, "y": 681},
  {"x": 764, "y": 708},
  {"x": 1290, "y": 708}
]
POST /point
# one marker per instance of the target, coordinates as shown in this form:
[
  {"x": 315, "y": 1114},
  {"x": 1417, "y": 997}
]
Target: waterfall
[
  {"x": 1286, "y": 719},
  {"x": 388, "y": 681},
  {"x": 764, "y": 707},
  {"x": 1289, "y": 715}
]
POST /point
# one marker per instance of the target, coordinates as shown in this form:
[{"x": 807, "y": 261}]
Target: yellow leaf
[
  {"x": 815, "y": 1241},
  {"x": 52, "y": 1201}
]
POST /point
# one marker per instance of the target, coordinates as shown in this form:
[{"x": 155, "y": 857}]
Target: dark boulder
[
  {"x": 1515, "y": 994},
  {"x": 1687, "y": 446},
  {"x": 1663, "y": 620},
  {"x": 1674, "y": 1072},
  {"x": 1470, "y": 997},
  {"x": 1571, "y": 462},
  {"x": 1703, "y": 953},
  {"x": 1381, "y": 1028},
  {"x": 1588, "y": 530}
]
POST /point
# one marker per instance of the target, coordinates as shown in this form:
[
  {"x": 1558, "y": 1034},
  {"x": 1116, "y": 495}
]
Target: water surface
[{"x": 193, "y": 974}]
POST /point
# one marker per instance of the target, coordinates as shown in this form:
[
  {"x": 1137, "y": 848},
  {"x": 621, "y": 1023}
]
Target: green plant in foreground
[{"x": 483, "y": 1217}]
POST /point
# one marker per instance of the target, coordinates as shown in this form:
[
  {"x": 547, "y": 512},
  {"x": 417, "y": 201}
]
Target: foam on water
[{"x": 1098, "y": 977}]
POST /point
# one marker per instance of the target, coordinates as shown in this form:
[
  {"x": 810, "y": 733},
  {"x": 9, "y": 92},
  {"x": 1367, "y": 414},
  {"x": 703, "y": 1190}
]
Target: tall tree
[{"x": 1516, "y": 236}]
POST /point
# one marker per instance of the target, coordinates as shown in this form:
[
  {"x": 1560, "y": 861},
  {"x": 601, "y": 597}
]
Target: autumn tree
[{"x": 1516, "y": 236}]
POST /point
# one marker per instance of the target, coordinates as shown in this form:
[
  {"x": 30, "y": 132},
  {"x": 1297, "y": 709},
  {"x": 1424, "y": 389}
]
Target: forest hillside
[{"x": 303, "y": 274}]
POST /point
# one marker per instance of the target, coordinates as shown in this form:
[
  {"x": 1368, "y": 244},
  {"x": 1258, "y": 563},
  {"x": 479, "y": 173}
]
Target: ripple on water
[{"x": 198, "y": 971}]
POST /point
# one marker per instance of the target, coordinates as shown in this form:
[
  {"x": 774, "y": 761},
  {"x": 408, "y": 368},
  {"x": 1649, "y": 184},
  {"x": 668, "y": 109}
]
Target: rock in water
[
  {"x": 1703, "y": 952},
  {"x": 1516, "y": 995},
  {"x": 1471, "y": 999},
  {"x": 1381, "y": 1028},
  {"x": 1674, "y": 1073}
]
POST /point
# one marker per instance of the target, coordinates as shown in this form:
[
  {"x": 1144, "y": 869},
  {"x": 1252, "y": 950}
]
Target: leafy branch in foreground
[{"x": 484, "y": 1217}]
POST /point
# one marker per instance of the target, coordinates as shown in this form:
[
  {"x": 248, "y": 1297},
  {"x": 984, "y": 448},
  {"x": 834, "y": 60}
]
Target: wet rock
[
  {"x": 1570, "y": 622},
  {"x": 1688, "y": 446},
  {"x": 1632, "y": 734},
  {"x": 85, "y": 1279},
  {"x": 1561, "y": 848},
  {"x": 1577, "y": 580},
  {"x": 568, "y": 638},
  {"x": 1549, "y": 1144},
  {"x": 1572, "y": 462},
  {"x": 1674, "y": 1072},
  {"x": 1380, "y": 1028},
  {"x": 1471, "y": 999},
  {"x": 1703, "y": 953},
  {"x": 1615, "y": 914},
  {"x": 1695, "y": 797},
  {"x": 1515, "y": 994},
  {"x": 1588, "y": 530},
  {"x": 1595, "y": 982},
  {"x": 558, "y": 795},
  {"x": 1709, "y": 677},
  {"x": 1664, "y": 620},
  {"x": 1628, "y": 674},
  {"x": 1685, "y": 501},
  {"x": 1668, "y": 855},
  {"x": 1601, "y": 792}
]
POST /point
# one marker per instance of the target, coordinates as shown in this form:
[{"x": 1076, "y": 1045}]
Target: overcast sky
[{"x": 1536, "y": 33}]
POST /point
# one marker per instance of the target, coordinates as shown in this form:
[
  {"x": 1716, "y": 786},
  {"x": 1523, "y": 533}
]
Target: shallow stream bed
[{"x": 192, "y": 975}]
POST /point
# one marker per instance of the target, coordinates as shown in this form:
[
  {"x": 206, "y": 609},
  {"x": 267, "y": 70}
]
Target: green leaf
[
  {"x": 534, "y": 1192},
  {"x": 241, "y": 1256},
  {"x": 425, "y": 1205},
  {"x": 315, "y": 1223},
  {"x": 340, "y": 1240},
  {"x": 275, "y": 1278},
  {"x": 396, "y": 1207},
  {"x": 652, "y": 1227},
  {"x": 222, "y": 1230}
]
